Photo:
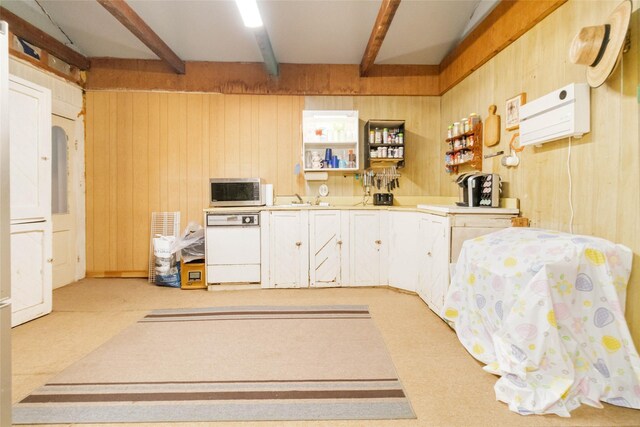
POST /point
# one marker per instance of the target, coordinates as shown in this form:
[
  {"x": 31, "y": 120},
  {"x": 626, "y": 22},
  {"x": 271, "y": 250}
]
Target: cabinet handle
[
  {"x": 378, "y": 242},
  {"x": 429, "y": 253},
  {"x": 49, "y": 260},
  {"x": 339, "y": 242},
  {"x": 298, "y": 243},
  {"x": 44, "y": 158}
]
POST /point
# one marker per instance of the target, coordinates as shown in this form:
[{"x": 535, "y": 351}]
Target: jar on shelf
[
  {"x": 450, "y": 131},
  {"x": 400, "y": 138},
  {"x": 401, "y": 152},
  {"x": 385, "y": 136},
  {"x": 456, "y": 129},
  {"x": 378, "y": 138},
  {"x": 474, "y": 119},
  {"x": 373, "y": 154},
  {"x": 471, "y": 139},
  {"x": 372, "y": 137},
  {"x": 464, "y": 125}
]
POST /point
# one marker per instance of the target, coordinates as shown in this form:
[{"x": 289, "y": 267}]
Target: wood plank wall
[
  {"x": 150, "y": 151},
  {"x": 605, "y": 167},
  {"x": 422, "y": 150}
]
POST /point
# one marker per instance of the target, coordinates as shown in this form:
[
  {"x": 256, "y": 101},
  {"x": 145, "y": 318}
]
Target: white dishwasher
[{"x": 233, "y": 248}]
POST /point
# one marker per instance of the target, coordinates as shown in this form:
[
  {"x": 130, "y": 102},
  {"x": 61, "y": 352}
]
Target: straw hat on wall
[{"x": 599, "y": 47}]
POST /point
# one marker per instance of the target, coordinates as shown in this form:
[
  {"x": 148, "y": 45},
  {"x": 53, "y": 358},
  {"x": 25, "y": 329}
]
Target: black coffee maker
[{"x": 470, "y": 189}]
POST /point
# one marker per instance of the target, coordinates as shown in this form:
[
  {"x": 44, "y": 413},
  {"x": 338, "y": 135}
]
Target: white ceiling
[{"x": 301, "y": 31}]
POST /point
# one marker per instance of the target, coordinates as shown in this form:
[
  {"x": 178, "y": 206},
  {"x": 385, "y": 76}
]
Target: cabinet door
[
  {"x": 366, "y": 249},
  {"x": 31, "y": 290},
  {"x": 440, "y": 263},
  {"x": 403, "y": 250},
  {"x": 325, "y": 248},
  {"x": 30, "y": 150},
  {"x": 433, "y": 257},
  {"x": 289, "y": 250},
  {"x": 425, "y": 260}
]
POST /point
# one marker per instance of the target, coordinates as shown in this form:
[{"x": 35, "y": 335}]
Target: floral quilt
[{"x": 544, "y": 311}]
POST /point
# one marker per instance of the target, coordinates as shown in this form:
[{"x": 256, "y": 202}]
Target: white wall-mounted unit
[{"x": 563, "y": 113}]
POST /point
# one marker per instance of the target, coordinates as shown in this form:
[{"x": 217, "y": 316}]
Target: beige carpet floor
[{"x": 445, "y": 385}]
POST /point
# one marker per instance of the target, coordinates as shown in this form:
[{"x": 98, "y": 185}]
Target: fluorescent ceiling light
[{"x": 250, "y": 13}]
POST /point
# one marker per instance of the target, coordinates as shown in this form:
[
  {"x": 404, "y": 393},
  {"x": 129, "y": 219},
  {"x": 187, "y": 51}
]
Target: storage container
[{"x": 193, "y": 275}]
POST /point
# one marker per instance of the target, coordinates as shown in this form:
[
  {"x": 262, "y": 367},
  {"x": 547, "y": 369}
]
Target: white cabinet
[
  {"x": 31, "y": 290},
  {"x": 369, "y": 248},
  {"x": 403, "y": 249},
  {"x": 30, "y": 151},
  {"x": 288, "y": 249},
  {"x": 336, "y": 130},
  {"x": 433, "y": 260},
  {"x": 328, "y": 246},
  {"x": 30, "y": 186}
]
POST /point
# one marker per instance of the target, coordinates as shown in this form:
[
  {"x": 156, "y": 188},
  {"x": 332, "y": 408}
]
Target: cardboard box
[{"x": 192, "y": 275}]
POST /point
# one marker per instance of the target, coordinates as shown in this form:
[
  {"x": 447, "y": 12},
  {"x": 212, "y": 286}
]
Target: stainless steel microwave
[{"x": 236, "y": 192}]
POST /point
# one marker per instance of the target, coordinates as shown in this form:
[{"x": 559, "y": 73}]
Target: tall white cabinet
[
  {"x": 289, "y": 249},
  {"x": 328, "y": 246},
  {"x": 433, "y": 260},
  {"x": 369, "y": 247},
  {"x": 30, "y": 184}
]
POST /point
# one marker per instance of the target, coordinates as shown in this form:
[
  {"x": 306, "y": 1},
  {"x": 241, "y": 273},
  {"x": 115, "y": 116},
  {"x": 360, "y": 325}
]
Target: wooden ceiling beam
[
  {"x": 383, "y": 22},
  {"x": 39, "y": 38},
  {"x": 134, "y": 23}
]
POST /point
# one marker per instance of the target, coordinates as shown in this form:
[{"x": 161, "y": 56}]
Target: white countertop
[
  {"x": 441, "y": 210},
  {"x": 455, "y": 209}
]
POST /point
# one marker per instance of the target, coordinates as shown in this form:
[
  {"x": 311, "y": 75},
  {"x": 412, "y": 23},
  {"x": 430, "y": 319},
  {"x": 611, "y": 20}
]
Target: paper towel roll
[{"x": 268, "y": 194}]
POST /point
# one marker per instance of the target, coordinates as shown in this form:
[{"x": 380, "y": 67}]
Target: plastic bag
[
  {"x": 167, "y": 267},
  {"x": 191, "y": 244}
]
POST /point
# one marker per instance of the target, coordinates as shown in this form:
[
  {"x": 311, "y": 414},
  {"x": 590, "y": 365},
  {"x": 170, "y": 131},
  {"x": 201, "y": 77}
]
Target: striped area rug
[{"x": 229, "y": 364}]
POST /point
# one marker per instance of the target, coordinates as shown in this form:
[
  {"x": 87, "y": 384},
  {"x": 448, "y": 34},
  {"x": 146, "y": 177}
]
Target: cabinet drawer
[{"x": 239, "y": 273}]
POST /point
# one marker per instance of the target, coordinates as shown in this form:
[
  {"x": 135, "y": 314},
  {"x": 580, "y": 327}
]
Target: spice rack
[
  {"x": 464, "y": 150},
  {"x": 379, "y": 152}
]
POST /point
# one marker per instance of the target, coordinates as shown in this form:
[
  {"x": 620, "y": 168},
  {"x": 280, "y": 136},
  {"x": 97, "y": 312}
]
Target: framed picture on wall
[{"x": 512, "y": 111}]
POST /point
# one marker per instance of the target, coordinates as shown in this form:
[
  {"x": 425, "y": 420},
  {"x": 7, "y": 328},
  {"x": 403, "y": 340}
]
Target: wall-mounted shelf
[
  {"x": 335, "y": 130},
  {"x": 464, "y": 150},
  {"x": 374, "y": 143}
]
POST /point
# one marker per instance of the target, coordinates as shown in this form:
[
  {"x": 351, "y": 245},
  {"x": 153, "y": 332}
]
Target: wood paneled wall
[
  {"x": 422, "y": 149},
  {"x": 150, "y": 151},
  {"x": 250, "y": 78},
  {"x": 605, "y": 168}
]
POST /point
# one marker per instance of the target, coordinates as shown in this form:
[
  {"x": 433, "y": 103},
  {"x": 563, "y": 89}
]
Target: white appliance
[
  {"x": 236, "y": 192},
  {"x": 232, "y": 250},
  {"x": 562, "y": 113},
  {"x": 5, "y": 243},
  {"x": 30, "y": 196}
]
